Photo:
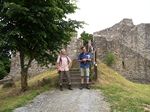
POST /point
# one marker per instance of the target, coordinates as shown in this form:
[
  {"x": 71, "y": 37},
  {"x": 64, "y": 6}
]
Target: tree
[
  {"x": 37, "y": 29},
  {"x": 86, "y": 37}
]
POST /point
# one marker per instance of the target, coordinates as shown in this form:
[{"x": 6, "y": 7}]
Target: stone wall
[
  {"x": 33, "y": 70},
  {"x": 74, "y": 47},
  {"x": 131, "y": 46}
]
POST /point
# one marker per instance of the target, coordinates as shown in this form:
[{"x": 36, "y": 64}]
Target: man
[
  {"x": 63, "y": 65},
  {"x": 84, "y": 58}
]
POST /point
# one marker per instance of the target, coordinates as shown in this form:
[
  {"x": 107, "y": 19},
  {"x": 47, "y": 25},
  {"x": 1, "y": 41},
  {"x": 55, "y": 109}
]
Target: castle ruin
[{"x": 131, "y": 46}]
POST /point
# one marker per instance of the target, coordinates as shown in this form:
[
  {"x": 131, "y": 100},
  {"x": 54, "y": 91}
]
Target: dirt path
[{"x": 67, "y": 101}]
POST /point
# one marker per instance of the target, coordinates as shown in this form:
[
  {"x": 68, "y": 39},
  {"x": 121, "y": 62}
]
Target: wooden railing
[{"x": 95, "y": 65}]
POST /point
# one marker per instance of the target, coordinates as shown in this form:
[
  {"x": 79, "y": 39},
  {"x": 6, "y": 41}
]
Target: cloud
[{"x": 100, "y": 14}]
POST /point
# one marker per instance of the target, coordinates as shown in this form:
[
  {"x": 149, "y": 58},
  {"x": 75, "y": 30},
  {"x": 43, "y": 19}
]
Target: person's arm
[
  {"x": 58, "y": 62},
  {"x": 70, "y": 62},
  {"x": 89, "y": 57},
  {"x": 79, "y": 59}
]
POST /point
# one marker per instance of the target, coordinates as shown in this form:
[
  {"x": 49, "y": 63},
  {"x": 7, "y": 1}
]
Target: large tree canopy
[{"x": 37, "y": 29}]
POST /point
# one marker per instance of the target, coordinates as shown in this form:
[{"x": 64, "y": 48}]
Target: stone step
[
  {"x": 75, "y": 69},
  {"x": 74, "y": 80},
  {"x": 75, "y": 76},
  {"x": 75, "y": 72},
  {"x": 78, "y": 79},
  {"x": 72, "y": 83},
  {"x": 76, "y": 83}
]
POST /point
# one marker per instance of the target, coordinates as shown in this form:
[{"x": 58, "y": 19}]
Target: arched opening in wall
[{"x": 123, "y": 65}]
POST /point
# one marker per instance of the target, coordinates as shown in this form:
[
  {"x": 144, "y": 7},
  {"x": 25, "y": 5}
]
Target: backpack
[{"x": 60, "y": 60}]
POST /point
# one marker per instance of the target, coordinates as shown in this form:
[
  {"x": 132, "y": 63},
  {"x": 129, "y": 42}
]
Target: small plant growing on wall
[{"x": 110, "y": 59}]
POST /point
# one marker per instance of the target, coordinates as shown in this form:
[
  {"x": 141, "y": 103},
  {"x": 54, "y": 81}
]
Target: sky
[{"x": 101, "y": 14}]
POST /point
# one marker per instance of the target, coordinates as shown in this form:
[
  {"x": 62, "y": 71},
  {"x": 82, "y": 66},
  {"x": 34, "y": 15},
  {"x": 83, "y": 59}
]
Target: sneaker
[
  {"x": 87, "y": 86},
  {"x": 61, "y": 88},
  {"x": 81, "y": 86},
  {"x": 69, "y": 87}
]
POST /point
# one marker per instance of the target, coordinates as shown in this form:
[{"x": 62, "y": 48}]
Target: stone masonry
[
  {"x": 33, "y": 70},
  {"x": 73, "y": 48},
  {"x": 131, "y": 45}
]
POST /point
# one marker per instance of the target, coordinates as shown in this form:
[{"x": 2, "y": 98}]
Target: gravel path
[{"x": 67, "y": 101}]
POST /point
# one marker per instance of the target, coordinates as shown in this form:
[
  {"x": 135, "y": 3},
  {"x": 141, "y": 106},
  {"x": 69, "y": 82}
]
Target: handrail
[
  {"x": 94, "y": 60},
  {"x": 95, "y": 65}
]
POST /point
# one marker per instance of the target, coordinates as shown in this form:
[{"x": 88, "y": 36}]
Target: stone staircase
[
  {"x": 74, "y": 74},
  {"x": 75, "y": 77}
]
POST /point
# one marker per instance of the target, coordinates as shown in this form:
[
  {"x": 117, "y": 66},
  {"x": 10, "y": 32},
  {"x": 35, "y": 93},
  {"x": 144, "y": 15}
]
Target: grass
[
  {"x": 123, "y": 95},
  {"x": 11, "y": 98}
]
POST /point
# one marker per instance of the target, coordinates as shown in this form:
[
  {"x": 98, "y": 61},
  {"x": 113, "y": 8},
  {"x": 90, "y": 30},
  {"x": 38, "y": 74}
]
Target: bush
[
  {"x": 3, "y": 72},
  {"x": 4, "y": 68},
  {"x": 110, "y": 59}
]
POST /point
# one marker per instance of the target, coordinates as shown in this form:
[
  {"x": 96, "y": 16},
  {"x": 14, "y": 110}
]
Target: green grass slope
[{"x": 123, "y": 95}]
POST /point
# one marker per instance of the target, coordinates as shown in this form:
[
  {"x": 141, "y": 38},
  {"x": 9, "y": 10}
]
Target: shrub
[
  {"x": 110, "y": 59},
  {"x": 4, "y": 61},
  {"x": 2, "y": 70}
]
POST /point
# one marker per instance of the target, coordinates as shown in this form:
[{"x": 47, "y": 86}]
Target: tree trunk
[
  {"x": 24, "y": 79},
  {"x": 24, "y": 72}
]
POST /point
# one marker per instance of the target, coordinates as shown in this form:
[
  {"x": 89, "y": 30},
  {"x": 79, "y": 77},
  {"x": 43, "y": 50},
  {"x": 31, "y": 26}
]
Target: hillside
[{"x": 125, "y": 96}]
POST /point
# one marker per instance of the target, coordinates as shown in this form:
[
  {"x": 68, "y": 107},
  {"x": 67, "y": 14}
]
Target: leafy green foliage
[
  {"x": 86, "y": 37},
  {"x": 2, "y": 70},
  {"x": 110, "y": 59},
  {"x": 4, "y": 60},
  {"x": 37, "y": 29},
  {"x": 4, "y": 67}
]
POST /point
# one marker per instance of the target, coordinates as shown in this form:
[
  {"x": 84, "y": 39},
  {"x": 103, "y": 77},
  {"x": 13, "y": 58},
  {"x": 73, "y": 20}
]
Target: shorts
[{"x": 85, "y": 72}]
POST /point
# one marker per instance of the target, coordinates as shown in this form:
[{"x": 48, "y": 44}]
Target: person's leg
[
  {"x": 69, "y": 80},
  {"x": 61, "y": 80},
  {"x": 82, "y": 77},
  {"x": 87, "y": 77}
]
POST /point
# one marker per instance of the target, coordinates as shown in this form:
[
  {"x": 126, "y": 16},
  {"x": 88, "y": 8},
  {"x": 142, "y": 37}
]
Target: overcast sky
[{"x": 100, "y": 14}]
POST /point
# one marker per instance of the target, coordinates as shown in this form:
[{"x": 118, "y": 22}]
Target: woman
[{"x": 63, "y": 65}]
